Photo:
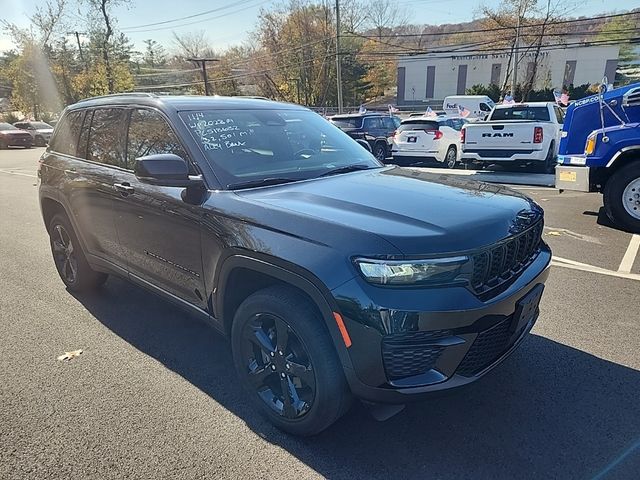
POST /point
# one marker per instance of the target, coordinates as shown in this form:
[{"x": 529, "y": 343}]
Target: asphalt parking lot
[{"x": 154, "y": 393}]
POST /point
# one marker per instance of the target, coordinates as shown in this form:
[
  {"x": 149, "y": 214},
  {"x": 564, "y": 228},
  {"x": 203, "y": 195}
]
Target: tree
[
  {"x": 154, "y": 55},
  {"x": 383, "y": 15},
  {"x": 622, "y": 30}
]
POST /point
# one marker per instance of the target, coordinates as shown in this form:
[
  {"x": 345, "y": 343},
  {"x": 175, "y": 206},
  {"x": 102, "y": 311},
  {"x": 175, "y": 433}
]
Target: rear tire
[
  {"x": 380, "y": 152},
  {"x": 451, "y": 158},
  {"x": 276, "y": 334},
  {"x": 622, "y": 197},
  {"x": 549, "y": 165},
  {"x": 69, "y": 259}
]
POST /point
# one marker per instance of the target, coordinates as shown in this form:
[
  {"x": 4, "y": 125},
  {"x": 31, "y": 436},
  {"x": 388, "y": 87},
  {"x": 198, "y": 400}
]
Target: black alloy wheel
[
  {"x": 64, "y": 254},
  {"x": 69, "y": 259},
  {"x": 278, "y": 366},
  {"x": 286, "y": 360},
  {"x": 380, "y": 152}
]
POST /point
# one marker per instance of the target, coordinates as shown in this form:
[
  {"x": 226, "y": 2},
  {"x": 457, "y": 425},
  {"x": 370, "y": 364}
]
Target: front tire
[
  {"x": 622, "y": 197},
  {"x": 286, "y": 360},
  {"x": 69, "y": 259}
]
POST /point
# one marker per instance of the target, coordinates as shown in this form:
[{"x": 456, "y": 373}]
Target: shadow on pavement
[{"x": 550, "y": 411}]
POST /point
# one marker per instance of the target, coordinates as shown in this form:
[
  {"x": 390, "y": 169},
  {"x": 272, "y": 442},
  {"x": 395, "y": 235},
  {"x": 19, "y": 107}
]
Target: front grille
[
  {"x": 486, "y": 349},
  {"x": 503, "y": 262},
  {"x": 412, "y": 353}
]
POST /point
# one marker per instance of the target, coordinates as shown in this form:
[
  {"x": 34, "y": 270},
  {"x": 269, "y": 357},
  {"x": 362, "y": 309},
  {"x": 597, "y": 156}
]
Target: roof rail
[{"x": 124, "y": 94}]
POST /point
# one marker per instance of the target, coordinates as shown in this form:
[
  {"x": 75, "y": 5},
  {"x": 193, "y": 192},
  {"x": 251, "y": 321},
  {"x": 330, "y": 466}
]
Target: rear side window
[
  {"x": 418, "y": 125},
  {"x": 559, "y": 115},
  {"x": 347, "y": 122},
  {"x": 457, "y": 123},
  {"x": 107, "y": 137},
  {"x": 372, "y": 123},
  {"x": 66, "y": 138},
  {"x": 388, "y": 123},
  {"x": 521, "y": 113}
]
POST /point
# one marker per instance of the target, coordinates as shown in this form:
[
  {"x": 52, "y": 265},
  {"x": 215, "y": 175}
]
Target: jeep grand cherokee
[{"x": 333, "y": 275}]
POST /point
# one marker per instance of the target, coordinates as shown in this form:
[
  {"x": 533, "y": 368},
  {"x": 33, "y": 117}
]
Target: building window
[
  {"x": 401, "y": 84},
  {"x": 431, "y": 80},
  {"x": 610, "y": 70},
  {"x": 569, "y": 73},
  {"x": 496, "y": 70},
  {"x": 462, "y": 80}
]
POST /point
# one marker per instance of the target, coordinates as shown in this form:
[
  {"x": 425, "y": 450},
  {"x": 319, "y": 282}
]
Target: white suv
[{"x": 428, "y": 139}]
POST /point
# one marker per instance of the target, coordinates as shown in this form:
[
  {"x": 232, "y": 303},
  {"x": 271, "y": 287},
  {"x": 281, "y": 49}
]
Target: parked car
[
  {"x": 376, "y": 128},
  {"x": 11, "y": 136},
  {"x": 479, "y": 106},
  {"x": 332, "y": 274},
  {"x": 427, "y": 140},
  {"x": 599, "y": 152},
  {"x": 40, "y": 131},
  {"x": 527, "y": 133}
]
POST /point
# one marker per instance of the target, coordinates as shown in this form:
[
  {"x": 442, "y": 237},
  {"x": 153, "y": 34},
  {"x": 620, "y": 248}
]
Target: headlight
[
  {"x": 590, "y": 146},
  {"x": 411, "y": 272}
]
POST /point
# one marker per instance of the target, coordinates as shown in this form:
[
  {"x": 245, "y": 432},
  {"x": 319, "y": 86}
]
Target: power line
[
  {"x": 207, "y": 12},
  {"x": 203, "y": 20}
]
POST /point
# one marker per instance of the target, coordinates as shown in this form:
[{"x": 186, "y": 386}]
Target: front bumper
[
  {"x": 451, "y": 334},
  {"x": 576, "y": 178}
]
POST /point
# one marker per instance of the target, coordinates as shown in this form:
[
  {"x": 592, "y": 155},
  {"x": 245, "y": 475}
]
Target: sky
[{"x": 232, "y": 21}]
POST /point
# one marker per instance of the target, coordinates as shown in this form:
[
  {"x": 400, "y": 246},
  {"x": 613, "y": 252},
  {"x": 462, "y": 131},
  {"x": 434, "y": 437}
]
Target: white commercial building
[{"x": 428, "y": 77}]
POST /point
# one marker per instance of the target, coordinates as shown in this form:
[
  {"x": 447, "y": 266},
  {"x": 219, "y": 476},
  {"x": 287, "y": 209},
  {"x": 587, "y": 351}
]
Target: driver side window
[{"x": 150, "y": 134}]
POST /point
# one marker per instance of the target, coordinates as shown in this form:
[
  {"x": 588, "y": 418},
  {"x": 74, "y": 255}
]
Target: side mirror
[
  {"x": 165, "y": 169},
  {"x": 364, "y": 144}
]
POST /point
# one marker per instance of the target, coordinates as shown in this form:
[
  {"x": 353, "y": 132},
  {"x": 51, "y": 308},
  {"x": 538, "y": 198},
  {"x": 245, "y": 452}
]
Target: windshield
[
  {"x": 40, "y": 125},
  {"x": 6, "y": 126},
  {"x": 523, "y": 112},
  {"x": 347, "y": 122},
  {"x": 251, "y": 145}
]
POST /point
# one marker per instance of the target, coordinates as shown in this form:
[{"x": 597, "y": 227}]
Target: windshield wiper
[
  {"x": 347, "y": 168},
  {"x": 261, "y": 182}
]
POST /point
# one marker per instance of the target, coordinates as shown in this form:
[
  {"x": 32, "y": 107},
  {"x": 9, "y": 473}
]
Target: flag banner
[
  {"x": 508, "y": 100},
  {"x": 362, "y": 109},
  {"x": 430, "y": 113},
  {"x": 463, "y": 112}
]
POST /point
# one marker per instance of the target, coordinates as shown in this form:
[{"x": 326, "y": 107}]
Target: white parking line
[
  {"x": 630, "y": 255},
  {"x": 573, "y": 265},
  {"x": 18, "y": 173}
]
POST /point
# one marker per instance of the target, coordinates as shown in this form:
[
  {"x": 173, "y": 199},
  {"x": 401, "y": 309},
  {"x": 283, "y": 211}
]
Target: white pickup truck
[{"x": 522, "y": 133}]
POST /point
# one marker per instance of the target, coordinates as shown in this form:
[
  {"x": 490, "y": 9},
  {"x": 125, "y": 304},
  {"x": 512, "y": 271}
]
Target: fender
[
  {"x": 287, "y": 273},
  {"x": 620, "y": 152}
]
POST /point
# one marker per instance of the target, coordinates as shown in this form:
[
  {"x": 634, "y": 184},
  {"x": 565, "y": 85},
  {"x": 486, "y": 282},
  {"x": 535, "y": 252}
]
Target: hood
[
  {"x": 15, "y": 131},
  {"x": 419, "y": 213}
]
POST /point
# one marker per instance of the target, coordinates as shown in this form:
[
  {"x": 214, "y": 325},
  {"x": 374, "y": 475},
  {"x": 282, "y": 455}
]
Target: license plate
[
  {"x": 526, "y": 309},
  {"x": 412, "y": 139}
]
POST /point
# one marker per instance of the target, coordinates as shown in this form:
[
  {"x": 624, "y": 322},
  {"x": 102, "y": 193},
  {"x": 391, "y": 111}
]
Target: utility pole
[
  {"x": 202, "y": 62},
  {"x": 338, "y": 62},
  {"x": 515, "y": 60}
]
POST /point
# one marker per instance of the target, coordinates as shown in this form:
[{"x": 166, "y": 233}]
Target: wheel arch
[
  {"x": 618, "y": 161},
  {"x": 49, "y": 208},
  {"x": 242, "y": 274}
]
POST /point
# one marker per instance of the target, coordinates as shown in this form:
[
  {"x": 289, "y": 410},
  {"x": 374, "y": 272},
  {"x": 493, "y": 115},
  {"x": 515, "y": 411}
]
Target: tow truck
[{"x": 600, "y": 152}]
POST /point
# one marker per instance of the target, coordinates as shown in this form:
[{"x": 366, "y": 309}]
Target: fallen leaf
[
  {"x": 554, "y": 233},
  {"x": 70, "y": 355}
]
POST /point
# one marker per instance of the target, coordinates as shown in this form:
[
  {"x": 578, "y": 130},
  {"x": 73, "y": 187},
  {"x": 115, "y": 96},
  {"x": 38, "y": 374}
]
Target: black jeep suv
[
  {"x": 374, "y": 128},
  {"x": 333, "y": 275}
]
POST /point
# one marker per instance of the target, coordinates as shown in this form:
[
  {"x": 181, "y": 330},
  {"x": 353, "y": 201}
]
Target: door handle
[{"x": 124, "y": 188}]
